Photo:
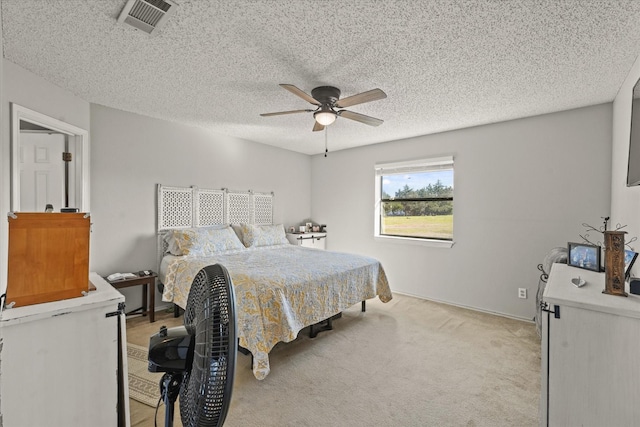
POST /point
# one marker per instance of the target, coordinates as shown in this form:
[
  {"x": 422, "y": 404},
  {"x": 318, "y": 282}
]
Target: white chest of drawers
[
  {"x": 59, "y": 363},
  {"x": 310, "y": 240},
  {"x": 590, "y": 347}
]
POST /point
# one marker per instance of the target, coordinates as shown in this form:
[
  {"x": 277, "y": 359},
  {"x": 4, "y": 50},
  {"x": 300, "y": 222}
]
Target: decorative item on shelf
[
  {"x": 601, "y": 230},
  {"x": 316, "y": 228},
  {"x": 584, "y": 256},
  {"x": 303, "y": 228},
  {"x": 618, "y": 260},
  {"x": 309, "y": 225},
  {"x": 588, "y": 227},
  {"x": 579, "y": 282},
  {"x": 629, "y": 259},
  {"x": 614, "y": 263}
]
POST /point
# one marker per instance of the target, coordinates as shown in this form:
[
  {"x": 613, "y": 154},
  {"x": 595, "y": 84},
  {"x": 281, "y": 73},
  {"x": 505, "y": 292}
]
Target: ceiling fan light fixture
[{"x": 325, "y": 117}]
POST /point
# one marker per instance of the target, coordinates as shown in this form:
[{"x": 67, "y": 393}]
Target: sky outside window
[{"x": 416, "y": 181}]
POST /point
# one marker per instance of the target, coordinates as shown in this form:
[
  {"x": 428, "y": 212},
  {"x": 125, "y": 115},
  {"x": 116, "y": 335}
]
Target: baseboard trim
[{"x": 468, "y": 307}]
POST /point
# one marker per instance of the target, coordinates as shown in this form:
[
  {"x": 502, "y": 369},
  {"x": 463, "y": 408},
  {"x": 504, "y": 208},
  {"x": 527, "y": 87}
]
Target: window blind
[{"x": 414, "y": 166}]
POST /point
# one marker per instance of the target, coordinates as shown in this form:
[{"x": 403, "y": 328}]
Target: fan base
[{"x": 326, "y": 94}]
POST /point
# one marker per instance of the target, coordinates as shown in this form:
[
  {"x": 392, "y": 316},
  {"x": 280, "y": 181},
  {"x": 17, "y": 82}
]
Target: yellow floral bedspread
[{"x": 281, "y": 289}]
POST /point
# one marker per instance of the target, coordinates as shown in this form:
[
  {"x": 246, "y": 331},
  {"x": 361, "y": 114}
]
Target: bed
[{"x": 280, "y": 288}]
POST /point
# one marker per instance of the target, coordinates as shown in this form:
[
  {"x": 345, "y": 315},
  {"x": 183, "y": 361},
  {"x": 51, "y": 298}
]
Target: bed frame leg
[
  {"x": 246, "y": 352},
  {"x": 364, "y": 306},
  {"x": 323, "y": 325}
]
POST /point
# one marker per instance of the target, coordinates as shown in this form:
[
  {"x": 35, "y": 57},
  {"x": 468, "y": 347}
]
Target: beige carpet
[
  {"x": 409, "y": 362},
  {"x": 143, "y": 385}
]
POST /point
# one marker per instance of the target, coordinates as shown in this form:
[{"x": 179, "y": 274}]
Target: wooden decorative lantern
[{"x": 614, "y": 263}]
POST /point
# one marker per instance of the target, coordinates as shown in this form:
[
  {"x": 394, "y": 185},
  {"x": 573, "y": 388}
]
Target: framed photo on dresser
[
  {"x": 584, "y": 256},
  {"x": 629, "y": 259}
]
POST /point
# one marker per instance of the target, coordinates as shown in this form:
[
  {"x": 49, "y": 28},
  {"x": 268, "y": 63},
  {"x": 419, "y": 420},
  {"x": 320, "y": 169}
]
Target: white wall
[
  {"x": 131, "y": 153},
  {"x": 521, "y": 188},
  {"x": 5, "y": 195},
  {"x": 517, "y": 194},
  {"x": 625, "y": 201},
  {"x": 29, "y": 90}
]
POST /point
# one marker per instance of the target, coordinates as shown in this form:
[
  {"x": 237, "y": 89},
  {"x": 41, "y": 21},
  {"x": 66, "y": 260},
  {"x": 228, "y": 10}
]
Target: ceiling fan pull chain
[{"x": 326, "y": 150}]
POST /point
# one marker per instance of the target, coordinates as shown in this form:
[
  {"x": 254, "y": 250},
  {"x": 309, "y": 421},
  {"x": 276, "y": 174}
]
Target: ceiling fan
[{"x": 327, "y": 99}]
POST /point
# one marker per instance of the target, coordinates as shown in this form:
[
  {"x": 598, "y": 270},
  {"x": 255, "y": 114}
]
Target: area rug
[{"x": 143, "y": 385}]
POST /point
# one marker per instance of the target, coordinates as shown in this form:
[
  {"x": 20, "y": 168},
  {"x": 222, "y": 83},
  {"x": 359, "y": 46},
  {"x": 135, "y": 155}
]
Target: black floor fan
[{"x": 199, "y": 358}]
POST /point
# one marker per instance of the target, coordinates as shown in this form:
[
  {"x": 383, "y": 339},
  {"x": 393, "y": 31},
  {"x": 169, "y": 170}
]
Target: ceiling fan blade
[
  {"x": 317, "y": 126},
  {"x": 361, "y": 98},
  {"x": 294, "y": 90},
  {"x": 280, "y": 113},
  {"x": 371, "y": 121}
]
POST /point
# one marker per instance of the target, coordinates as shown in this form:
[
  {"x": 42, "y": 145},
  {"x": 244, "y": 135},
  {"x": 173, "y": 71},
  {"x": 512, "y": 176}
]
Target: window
[{"x": 414, "y": 200}]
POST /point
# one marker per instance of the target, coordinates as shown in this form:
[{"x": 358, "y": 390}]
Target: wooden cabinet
[
  {"x": 62, "y": 364},
  {"x": 590, "y": 353},
  {"x": 310, "y": 240},
  {"x": 48, "y": 257}
]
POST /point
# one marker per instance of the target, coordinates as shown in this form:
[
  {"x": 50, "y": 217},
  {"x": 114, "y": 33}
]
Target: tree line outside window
[{"x": 434, "y": 199}]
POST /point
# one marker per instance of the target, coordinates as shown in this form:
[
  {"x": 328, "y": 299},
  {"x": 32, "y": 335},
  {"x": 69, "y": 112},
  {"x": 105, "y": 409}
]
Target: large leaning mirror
[{"x": 49, "y": 163}]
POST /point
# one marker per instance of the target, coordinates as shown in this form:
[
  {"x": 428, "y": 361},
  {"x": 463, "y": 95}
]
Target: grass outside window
[{"x": 432, "y": 227}]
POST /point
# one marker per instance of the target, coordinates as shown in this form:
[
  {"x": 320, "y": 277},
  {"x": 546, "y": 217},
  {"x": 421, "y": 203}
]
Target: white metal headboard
[
  {"x": 186, "y": 207},
  {"x": 175, "y": 207},
  {"x": 209, "y": 207},
  {"x": 239, "y": 207}
]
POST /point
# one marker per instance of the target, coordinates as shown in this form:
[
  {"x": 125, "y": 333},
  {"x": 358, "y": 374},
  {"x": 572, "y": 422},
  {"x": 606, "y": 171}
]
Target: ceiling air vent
[{"x": 146, "y": 15}]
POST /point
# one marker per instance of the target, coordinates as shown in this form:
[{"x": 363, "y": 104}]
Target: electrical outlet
[{"x": 522, "y": 293}]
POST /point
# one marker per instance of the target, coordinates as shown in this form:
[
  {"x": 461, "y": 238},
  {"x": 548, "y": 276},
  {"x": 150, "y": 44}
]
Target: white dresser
[
  {"x": 590, "y": 353},
  {"x": 310, "y": 240},
  {"x": 61, "y": 362}
]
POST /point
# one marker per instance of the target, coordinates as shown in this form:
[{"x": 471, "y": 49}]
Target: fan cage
[{"x": 210, "y": 316}]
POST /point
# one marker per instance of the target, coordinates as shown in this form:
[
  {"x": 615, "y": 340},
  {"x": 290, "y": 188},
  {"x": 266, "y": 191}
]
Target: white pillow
[
  {"x": 262, "y": 235},
  {"x": 203, "y": 241}
]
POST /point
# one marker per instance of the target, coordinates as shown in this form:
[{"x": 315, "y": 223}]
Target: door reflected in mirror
[{"x": 50, "y": 163}]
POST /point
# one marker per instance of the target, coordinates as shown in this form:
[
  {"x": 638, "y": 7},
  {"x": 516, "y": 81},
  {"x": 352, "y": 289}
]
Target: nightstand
[{"x": 148, "y": 289}]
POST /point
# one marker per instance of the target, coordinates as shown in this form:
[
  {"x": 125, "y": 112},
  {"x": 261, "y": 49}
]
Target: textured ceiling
[{"x": 443, "y": 64}]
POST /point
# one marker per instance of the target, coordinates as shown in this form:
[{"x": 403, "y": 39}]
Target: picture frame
[
  {"x": 629, "y": 258},
  {"x": 584, "y": 256}
]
